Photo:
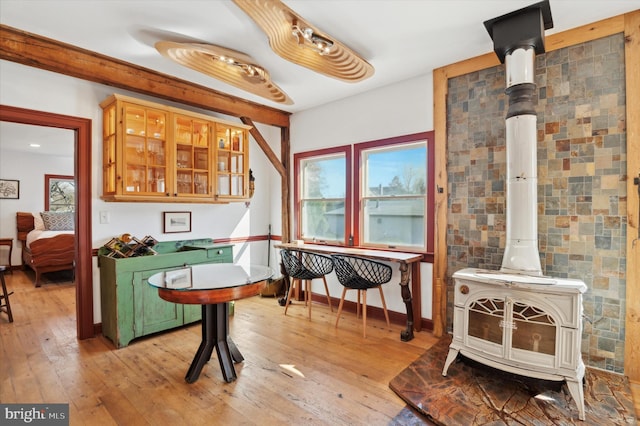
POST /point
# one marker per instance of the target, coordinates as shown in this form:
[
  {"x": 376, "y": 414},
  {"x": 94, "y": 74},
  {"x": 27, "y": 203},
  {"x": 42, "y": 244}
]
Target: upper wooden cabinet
[{"x": 153, "y": 152}]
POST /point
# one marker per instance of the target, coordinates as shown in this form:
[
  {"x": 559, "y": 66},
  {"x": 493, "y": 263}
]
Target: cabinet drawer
[{"x": 215, "y": 253}]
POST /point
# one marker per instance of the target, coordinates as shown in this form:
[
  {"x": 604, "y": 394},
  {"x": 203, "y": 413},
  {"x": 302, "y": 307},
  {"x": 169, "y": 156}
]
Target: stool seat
[
  {"x": 357, "y": 273},
  {"x": 5, "y": 305},
  {"x": 301, "y": 265}
]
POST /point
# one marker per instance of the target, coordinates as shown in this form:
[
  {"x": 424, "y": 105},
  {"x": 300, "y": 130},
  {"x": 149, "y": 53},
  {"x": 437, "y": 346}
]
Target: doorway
[{"x": 82, "y": 166}]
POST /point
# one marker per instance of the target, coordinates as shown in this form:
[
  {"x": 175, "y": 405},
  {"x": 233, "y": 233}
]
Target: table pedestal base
[{"x": 215, "y": 333}]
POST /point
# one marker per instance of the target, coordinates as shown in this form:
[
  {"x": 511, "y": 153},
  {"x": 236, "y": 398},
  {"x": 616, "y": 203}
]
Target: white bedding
[{"x": 38, "y": 234}]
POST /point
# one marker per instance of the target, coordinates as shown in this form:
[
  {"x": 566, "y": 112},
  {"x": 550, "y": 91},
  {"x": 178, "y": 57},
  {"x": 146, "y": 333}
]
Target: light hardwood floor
[{"x": 295, "y": 371}]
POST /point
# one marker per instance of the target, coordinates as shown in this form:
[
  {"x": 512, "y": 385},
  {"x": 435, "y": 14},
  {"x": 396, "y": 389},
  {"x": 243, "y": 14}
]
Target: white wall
[
  {"x": 395, "y": 110},
  {"x": 27, "y": 87}
]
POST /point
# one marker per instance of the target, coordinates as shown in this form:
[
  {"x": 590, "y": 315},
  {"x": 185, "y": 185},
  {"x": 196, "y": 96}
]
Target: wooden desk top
[{"x": 391, "y": 256}]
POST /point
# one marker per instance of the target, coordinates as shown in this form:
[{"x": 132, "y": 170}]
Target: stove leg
[
  {"x": 577, "y": 393},
  {"x": 451, "y": 356}
]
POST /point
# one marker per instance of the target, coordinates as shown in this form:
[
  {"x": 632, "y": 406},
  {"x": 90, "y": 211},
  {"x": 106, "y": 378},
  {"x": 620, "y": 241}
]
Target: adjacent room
[{"x": 388, "y": 212}]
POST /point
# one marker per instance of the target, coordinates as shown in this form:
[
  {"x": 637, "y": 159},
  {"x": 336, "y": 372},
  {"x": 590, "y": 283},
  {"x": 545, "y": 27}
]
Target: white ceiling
[{"x": 400, "y": 38}]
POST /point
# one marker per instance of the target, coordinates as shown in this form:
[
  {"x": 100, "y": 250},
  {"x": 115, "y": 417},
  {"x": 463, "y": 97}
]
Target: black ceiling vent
[{"x": 521, "y": 28}]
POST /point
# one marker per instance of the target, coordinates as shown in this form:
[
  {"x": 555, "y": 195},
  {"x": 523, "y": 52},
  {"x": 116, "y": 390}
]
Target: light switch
[{"x": 104, "y": 217}]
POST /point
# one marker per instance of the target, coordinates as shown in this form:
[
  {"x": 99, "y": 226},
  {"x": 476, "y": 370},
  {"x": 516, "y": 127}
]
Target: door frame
[{"x": 82, "y": 171}]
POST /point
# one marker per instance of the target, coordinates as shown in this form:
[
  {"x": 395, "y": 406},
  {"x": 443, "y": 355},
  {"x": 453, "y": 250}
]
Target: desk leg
[
  {"x": 407, "y": 334},
  {"x": 215, "y": 333}
]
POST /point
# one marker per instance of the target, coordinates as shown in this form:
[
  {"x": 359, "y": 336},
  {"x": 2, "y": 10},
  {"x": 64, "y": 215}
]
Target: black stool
[
  {"x": 301, "y": 265},
  {"x": 357, "y": 273},
  {"x": 6, "y": 306}
]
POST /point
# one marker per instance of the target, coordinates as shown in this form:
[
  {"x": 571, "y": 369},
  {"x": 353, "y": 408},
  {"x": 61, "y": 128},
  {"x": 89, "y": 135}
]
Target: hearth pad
[{"x": 473, "y": 394}]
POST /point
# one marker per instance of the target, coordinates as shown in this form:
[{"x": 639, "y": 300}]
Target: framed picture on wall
[
  {"x": 9, "y": 189},
  {"x": 176, "y": 222}
]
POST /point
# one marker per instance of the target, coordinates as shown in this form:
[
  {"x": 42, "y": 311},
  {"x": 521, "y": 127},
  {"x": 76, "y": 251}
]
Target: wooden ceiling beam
[{"x": 52, "y": 55}]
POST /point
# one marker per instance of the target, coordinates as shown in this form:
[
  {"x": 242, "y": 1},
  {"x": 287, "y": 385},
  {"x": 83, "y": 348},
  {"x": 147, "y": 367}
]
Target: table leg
[
  {"x": 407, "y": 334},
  {"x": 215, "y": 333}
]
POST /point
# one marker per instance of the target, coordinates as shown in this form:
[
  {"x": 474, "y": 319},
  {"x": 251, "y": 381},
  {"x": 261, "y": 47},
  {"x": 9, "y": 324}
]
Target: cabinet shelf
[{"x": 152, "y": 150}]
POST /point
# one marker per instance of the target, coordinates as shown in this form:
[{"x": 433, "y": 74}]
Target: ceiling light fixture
[
  {"x": 307, "y": 37},
  {"x": 308, "y": 47},
  {"x": 227, "y": 65}
]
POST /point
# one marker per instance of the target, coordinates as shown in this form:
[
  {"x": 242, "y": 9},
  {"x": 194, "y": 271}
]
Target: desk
[
  {"x": 213, "y": 286},
  {"x": 414, "y": 318},
  {"x": 8, "y": 242}
]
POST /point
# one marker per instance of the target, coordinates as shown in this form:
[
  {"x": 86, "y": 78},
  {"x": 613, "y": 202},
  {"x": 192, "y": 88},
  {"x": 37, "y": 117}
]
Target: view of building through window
[{"x": 393, "y": 195}]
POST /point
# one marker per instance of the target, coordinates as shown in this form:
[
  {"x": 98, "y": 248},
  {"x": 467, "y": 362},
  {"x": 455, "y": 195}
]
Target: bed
[{"x": 46, "y": 245}]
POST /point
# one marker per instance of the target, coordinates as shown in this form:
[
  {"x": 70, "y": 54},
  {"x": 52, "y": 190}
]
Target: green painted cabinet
[{"x": 131, "y": 308}]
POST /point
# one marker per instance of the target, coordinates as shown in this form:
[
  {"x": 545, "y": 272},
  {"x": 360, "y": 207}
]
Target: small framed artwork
[
  {"x": 9, "y": 189},
  {"x": 176, "y": 222}
]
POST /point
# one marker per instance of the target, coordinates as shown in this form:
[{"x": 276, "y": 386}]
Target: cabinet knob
[
  {"x": 167, "y": 194},
  {"x": 220, "y": 251}
]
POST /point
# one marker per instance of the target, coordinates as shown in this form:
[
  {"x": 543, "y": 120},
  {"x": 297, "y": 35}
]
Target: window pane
[
  {"x": 323, "y": 220},
  {"x": 395, "y": 171},
  {"x": 394, "y": 221},
  {"x": 62, "y": 195},
  {"x": 324, "y": 178}
]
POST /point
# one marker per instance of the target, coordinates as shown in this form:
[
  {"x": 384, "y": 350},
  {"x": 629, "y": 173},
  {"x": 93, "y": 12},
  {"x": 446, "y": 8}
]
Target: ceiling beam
[{"x": 51, "y": 55}]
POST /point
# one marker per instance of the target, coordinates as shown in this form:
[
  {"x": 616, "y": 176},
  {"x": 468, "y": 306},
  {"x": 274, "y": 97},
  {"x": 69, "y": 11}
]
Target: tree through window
[{"x": 59, "y": 193}]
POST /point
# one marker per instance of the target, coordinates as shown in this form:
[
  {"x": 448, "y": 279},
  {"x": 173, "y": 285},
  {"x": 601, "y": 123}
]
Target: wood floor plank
[{"x": 344, "y": 377}]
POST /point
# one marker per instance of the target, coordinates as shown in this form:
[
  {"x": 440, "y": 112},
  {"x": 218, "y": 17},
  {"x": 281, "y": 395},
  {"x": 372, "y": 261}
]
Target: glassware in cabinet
[
  {"x": 192, "y": 156},
  {"x": 144, "y": 149}
]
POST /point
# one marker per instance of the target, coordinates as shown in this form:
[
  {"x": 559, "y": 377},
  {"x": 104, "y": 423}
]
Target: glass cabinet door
[
  {"x": 109, "y": 150},
  {"x": 145, "y": 157},
  {"x": 231, "y": 147},
  {"x": 192, "y": 156}
]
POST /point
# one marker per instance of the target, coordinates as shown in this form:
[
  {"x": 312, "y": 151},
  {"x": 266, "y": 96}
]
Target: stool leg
[
  {"x": 307, "y": 294},
  {"x": 364, "y": 313},
  {"x": 286, "y": 304},
  {"x": 326, "y": 289},
  {"x": 384, "y": 306},
  {"x": 5, "y": 296},
  {"x": 344, "y": 292}
]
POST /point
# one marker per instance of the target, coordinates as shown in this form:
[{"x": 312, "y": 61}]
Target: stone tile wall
[{"x": 581, "y": 176}]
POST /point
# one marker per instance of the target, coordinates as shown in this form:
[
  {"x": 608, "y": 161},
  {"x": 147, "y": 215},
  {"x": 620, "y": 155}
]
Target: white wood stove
[
  {"x": 516, "y": 319},
  {"x": 524, "y": 325}
]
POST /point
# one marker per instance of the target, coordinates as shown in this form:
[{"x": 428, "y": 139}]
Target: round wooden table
[{"x": 213, "y": 286}]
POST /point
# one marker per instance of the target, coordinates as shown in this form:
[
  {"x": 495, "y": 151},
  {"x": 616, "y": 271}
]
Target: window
[
  {"x": 59, "y": 193},
  {"x": 389, "y": 204},
  {"x": 392, "y": 190},
  {"x": 322, "y": 195}
]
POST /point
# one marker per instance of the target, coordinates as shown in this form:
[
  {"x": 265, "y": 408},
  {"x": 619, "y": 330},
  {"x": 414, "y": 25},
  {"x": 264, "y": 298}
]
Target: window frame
[
  {"x": 354, "y": 169},
  {"x": 297, "y": 189},
  {"x": 47, "y": 187},
  {"x": 358, "y": 149}
]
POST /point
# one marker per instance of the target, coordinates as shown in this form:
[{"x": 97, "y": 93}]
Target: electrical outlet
[{"x": 104, "y": 217}]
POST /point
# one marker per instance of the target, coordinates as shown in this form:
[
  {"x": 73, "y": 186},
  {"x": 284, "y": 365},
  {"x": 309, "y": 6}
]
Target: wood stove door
[{"x": 485, "y": 332}]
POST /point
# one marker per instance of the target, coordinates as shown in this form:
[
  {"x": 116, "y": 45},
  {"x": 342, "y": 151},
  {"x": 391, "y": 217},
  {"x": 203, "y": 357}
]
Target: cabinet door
[
  {"x": 151, "y": 313},
  {"x": 109, "y": 150},
  {"x": 231, "y": 163},
  {"x": 192, "y": 157},
  {"x": 144, "y": 151}
]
